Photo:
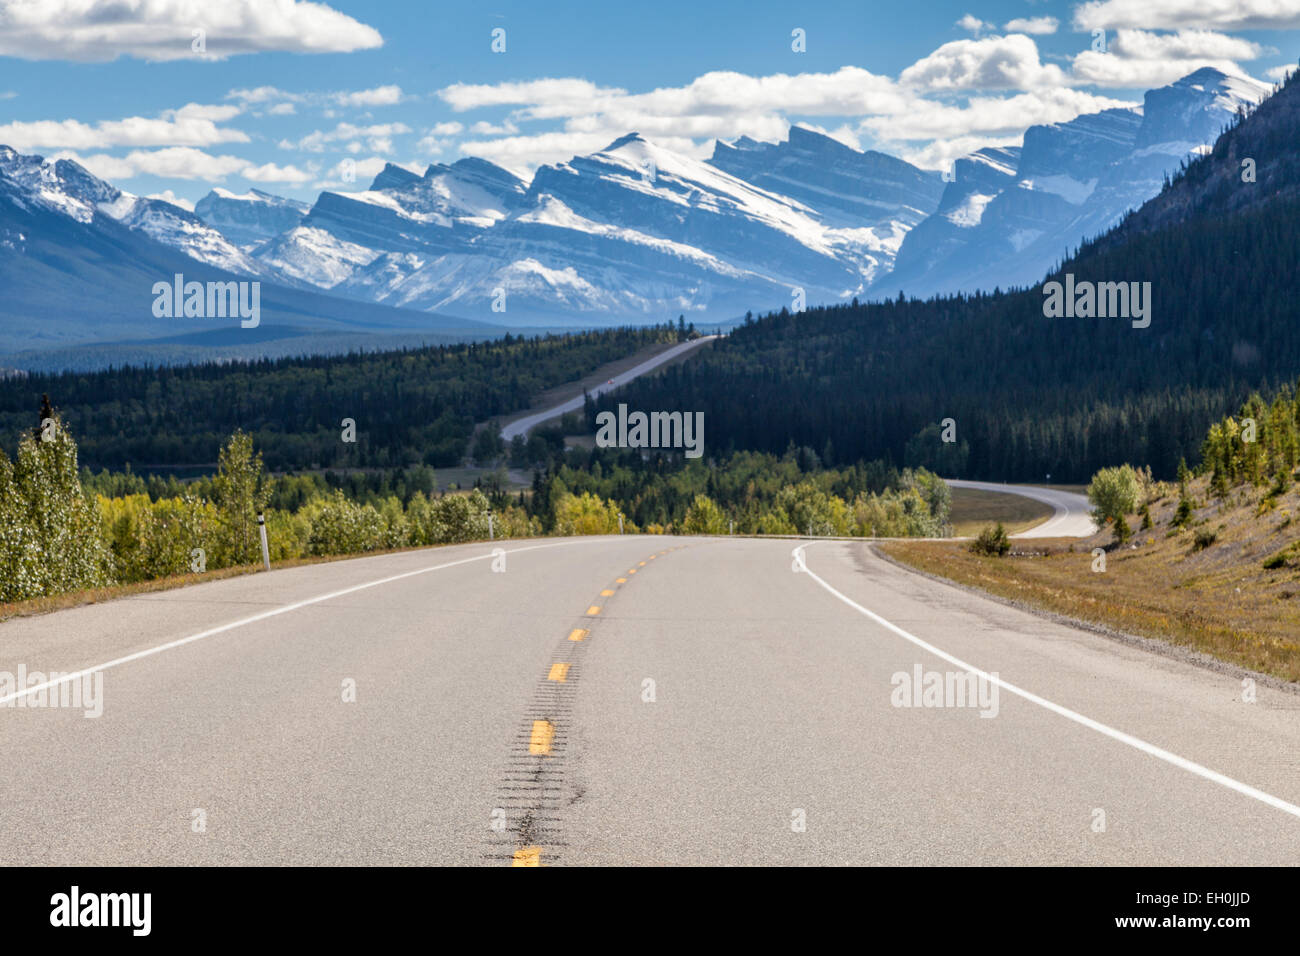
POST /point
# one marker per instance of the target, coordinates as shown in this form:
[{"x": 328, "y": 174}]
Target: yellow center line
[
  {"x": 620, "y": 580},
  {"x": 641, "y": 564},
  {"x": 593, "y": 610},
  {"x": 577, "y": 634},
  {"x": 631, "y": 570},
  {"x": 559, "y": 673},
  {"x": 528, "y": 856},
  {"x": 543, "y": 734},
  {"x": 606, "y": 593}
]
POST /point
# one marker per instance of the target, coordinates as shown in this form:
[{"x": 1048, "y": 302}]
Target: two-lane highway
[{"x": 628, "y": 700}]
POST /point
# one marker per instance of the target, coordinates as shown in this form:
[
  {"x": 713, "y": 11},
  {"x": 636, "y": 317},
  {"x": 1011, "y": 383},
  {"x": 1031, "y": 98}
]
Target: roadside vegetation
[
  {"x": 1210, "y": 562},
  {"x": 63, "y": 530}
]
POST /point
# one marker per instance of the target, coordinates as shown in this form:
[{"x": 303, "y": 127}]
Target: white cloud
[
  {"x": 1039, "y": 26},
  {"x": 974, "y": 24},
  {"x": 168, "y": 196},
  {"x": 992, "y": 63},
  {"x": 1279, "y": 73},
  {"x": 271, "y": 173},
  {"x": 102, "y": 30},
  {"x": 379, "y": 133},
  {"x": 1139, "y": 59},
  {"x": 175, "y": 162},
  {"x": 379, "y": 96},
  {"x": 194, "y": 124},
  {"x": 352, "y": 174},
  {"x": 1184, "y": 14},
  {"x": 988, "y": 116}
]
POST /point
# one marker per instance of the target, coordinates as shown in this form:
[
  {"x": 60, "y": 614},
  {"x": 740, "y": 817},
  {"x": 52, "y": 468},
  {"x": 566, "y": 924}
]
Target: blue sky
[{"x": 294, "y": 97}]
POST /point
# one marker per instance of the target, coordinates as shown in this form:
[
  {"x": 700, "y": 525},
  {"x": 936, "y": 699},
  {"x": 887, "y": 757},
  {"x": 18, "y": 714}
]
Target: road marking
[
  {"x": 620, "y": 580},
  {"x": 559, "y": 673},
  {"x": 593, "y": 610},
  {"x": 528, "y": 856},
  {"x": 284, "y": 609},
  {"x": 631, "y": 570},
  {"x": 606, "y": 593},
  {"x": 578, "y": 634},
  {"x": 543, "y": 734},
  {"x": 641, "y": 565},
  {"x": 1135, "y": 742}
]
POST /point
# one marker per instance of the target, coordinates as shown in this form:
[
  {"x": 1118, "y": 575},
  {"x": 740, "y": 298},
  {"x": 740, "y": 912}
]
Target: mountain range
[{"x": 633, "y": 233}]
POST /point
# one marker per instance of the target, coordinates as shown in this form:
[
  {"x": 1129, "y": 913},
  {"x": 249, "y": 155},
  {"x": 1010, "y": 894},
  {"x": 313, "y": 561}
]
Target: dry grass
[
  {"x": 1218, "y": 599},
  {"x": 973, "y": 509}
]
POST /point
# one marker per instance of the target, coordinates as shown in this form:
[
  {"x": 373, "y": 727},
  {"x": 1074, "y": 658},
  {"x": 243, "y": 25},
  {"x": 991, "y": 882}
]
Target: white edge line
[
  {"x": 1150, "y": 749},
  {"x": 284, "y": 609}
]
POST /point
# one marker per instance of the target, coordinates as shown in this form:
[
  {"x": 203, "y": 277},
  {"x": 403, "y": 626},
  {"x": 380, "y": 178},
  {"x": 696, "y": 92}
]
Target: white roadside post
[
  {"x": 491, "y": 533},
  {"x": 620, "y": 523},
  {"x": 261, "y": 531},
  {"x": 732, "y": 528}
]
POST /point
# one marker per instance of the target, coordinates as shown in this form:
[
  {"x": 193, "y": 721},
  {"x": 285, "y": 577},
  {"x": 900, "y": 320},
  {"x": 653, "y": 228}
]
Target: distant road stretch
[
  {"x": 525, "y": 425},
  {"x": 1071, "y": 520}
]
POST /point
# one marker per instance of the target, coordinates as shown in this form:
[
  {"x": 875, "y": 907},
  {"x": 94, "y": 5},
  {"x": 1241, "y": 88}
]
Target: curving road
[
  {"x": 1072, "y": 517},
  {"x": 626, "y": 700},
  {"x": 524, "y": 425}
]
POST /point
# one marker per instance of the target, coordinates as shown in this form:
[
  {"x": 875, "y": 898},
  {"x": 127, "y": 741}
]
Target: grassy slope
[
  {"x": 1219, "y": 599},
  {"x": 973, "y": 509}
]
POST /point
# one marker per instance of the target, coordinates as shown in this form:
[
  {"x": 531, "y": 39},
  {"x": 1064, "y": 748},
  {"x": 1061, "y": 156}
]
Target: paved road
[
  {"x": 771, "y": 738},
  {"x": 524, "y": 425},
  {"x": 1072, "y": 517}
]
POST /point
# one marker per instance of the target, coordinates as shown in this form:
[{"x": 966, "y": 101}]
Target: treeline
[
  {"x": 748, "y": 492},
  {"x": 58, "y": 534},
  {"x": 410, "y": 407},
  {"x": 1259, "y": 445}
]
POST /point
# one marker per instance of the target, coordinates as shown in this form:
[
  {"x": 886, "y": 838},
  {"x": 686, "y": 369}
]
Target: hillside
[{"x": 1031, "y": 395}]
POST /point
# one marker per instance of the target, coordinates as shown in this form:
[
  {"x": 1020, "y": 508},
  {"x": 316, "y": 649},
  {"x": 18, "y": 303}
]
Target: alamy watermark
[
  {"x": 1102, "y": 300},
  {"x": 653, "y": 430},
  {"x": 208, "y": 300},
  {"x": 53, "y": 690},
  {"x": 922, "y": 688}
]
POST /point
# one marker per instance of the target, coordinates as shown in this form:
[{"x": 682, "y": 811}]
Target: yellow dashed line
[
  {"x": 543, "y": 734},
  {"x": 620, "y": 580},
  {"x": 559, "y": 672},
  {"x": 593, "y": 610},
  {"x": 606, "y": 593},
  {"x": 577, "y": 634},
  {"x": 641, "y": 564},
  {"x": 528, "y": 856},
  {"x": 631, "y": 570}
]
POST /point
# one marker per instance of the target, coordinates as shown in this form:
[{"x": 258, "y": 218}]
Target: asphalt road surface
[
  {"x": 524, "y": 425},
  {"x": 1072, "y": 516},
  {"x": 721, "y": 707}
]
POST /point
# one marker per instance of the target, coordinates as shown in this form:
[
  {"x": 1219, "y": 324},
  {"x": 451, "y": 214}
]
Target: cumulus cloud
[
  {"x": 974, "y": 24},
  {"x": 379, "y": 135},
  {"x": 1184, "y": 14},
  {"x": 988, "y": 116},
  {"x": 1038, "y": 26},
  {"x": 175, "y": 162},
  {"x": 377, "y": 96},
  {"x": 271, "y": 173},
  {"x": 992, "y": 63},
  {"x": 194, "y": 124},
  {"x": 168, "y": 196},
  {"x": 102, "y": 30},
  {"x": 1140, "y": 59}
]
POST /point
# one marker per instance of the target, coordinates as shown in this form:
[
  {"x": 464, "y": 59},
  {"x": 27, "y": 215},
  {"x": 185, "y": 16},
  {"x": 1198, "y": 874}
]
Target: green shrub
[{"x": 992, "y": 541}]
